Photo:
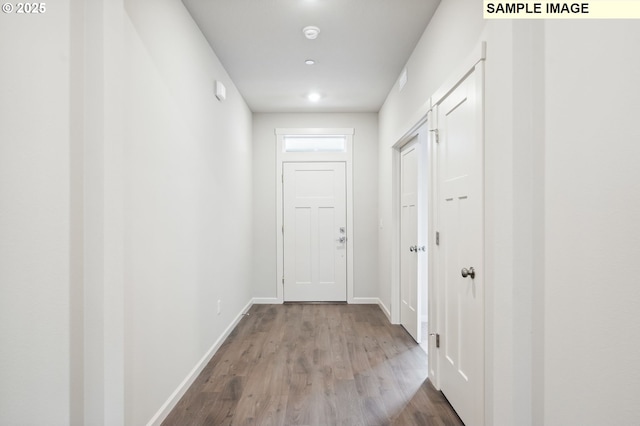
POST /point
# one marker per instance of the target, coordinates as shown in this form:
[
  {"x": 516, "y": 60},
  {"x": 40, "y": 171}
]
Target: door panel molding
[
  {"x": 421, "y": 136},
  {"x": 411, "y": 257},
  {"x": 427, "y": 115},
  {"x": 309, "y": 157},
  {"x": 461, "y": 297},
  {"x": 314, "y": 215}
]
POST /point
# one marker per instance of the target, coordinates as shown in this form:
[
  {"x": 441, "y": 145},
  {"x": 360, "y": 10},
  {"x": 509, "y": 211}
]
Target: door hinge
[
  {"x": 283, "y": 229},
  {"x": 282, "y": 280},
  {"x": 282, "y": 177},
  {"x": 437, "y": 238},
  {"x": 436, "y": 134},
  {"x": 437, "y": 336}
]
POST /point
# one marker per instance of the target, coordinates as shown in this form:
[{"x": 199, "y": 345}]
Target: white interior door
[
  {"x": 460, "y": 157},
  {"x": 409, "y": 301},
  {"x": 315, "y": 238}
]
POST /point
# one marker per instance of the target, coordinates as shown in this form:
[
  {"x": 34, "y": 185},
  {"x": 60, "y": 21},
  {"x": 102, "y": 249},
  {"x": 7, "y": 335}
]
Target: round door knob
[
  {"x": 468, "y": 272},
  {"x": 412, "y": 249}
]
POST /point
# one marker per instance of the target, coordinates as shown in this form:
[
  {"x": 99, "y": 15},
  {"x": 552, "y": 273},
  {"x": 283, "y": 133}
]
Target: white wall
[
  {"x": 450, "y": 36},
  {"x": 119, "y": 230},
  {"x": 187, "y": 202},
  {"x": 454, "y": 32},
  {"x": 592, "y": 329},
  {"x": 365, "y": 163},
  {"x": 508, "y": 226},
  {"x": 514, "y": 364},
  {"x": 561, "y": 233},
  {"x": 35, "y": 212}
]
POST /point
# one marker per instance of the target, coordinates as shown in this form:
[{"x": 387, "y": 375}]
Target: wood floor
[{"x": 315, "y": 365}]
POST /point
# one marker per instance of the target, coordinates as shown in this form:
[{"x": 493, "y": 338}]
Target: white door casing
[
  {"x": 315, "y": 238},
  {"x": 461, "y": 219},
  {"x": 284, "y": 156},
  {"x": 409, "y": 292}
]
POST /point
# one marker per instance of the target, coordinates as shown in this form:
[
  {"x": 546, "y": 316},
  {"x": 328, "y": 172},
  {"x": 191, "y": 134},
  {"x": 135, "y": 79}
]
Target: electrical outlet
[{"x": 219, "y": 306}]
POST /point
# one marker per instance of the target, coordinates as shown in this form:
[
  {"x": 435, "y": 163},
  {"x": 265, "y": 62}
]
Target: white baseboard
[
  {"x": 365, "y": 301},
  {"x": 166, "y": 408},
  {"x": 267, "y": 301},
  {"x": 386, "y": 310},
  {"x": 372, "y": 301}
]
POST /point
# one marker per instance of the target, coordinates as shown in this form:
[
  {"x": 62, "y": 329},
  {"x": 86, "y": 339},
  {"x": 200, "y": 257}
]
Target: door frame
[
  {"x": 313, "y": 157},
  {"x": 419, "y": 137},
  {"x": 427, "y": 114}
]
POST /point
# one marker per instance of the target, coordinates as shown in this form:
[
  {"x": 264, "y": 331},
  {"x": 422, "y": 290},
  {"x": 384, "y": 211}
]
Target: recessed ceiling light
[
  {"x": 311, "y": 32},
  {"x": 314, "y": 96},
  {"x": 309, "y": 62}
]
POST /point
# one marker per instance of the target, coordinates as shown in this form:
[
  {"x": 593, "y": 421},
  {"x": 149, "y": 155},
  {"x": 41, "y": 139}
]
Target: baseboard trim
[
  {"x": 386, "y": 310},
  {"x": 169, "y": 405},
  {"x": 365, "y": 301},
  {"x": 266, "y": 301},
  {"x": 372, "y": 301}
]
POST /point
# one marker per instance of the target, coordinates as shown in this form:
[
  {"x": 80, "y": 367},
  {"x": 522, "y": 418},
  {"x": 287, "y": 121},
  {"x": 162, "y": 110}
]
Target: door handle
[
  {"x": 342, "y": 239},
  {"x": 468, "y": 272},
  {"x": 413, "y": 249}
]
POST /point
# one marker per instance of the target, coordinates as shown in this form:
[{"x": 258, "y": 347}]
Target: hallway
[
  {"x": 315, "y": 365},
  {"x": 139, "y": 212}
]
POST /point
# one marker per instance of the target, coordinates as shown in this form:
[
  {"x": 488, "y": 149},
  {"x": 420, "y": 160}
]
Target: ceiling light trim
[
  {"x": 314, "y": 97},
  {"x": 311, "y": 32}
]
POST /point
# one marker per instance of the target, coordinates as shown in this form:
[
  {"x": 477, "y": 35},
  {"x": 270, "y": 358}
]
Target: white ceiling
[{"x": 360, "y": 52}]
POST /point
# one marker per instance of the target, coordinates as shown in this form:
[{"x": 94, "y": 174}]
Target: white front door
[
  {"x": 315, "y": 237},
  {"x": 460, "y": 157},
  {"x": 409, "y": 302}
]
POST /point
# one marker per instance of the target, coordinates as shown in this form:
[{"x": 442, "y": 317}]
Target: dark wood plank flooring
[{"x": 315, "y": 365}]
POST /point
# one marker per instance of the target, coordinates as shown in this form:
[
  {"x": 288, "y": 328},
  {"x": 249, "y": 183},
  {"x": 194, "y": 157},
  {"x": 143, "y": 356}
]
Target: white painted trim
[
  {"x": 426, "y": 114},
  {"x": 478, "y": 54},
  {"x": 283, "y": 157},
  {"x": 171, "y": 402},
  {"x": 373, "y": 301},
  {"x": 384, "y": 309},
  {"x": 266, "y": 301},
  {"x": 436, "y": 298},
  {"x": 488, "y": 353},
  {"x": 420, "y": 133},
  {"x": 366, "y": 301},
  {"x": 432, "y": 249},
  {"x": 394, "y": 313},
  {"x": 417, "y": 119},
  {"x": 315, "y": 131}
]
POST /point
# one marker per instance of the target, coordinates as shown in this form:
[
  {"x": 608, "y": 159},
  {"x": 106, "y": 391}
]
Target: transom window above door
[
  {"x": 308, "y": 152},
  {"x": 314, "y": 143}
]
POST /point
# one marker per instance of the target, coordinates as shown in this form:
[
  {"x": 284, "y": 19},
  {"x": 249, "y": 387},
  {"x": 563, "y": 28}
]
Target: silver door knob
[
  {"x": 413, "y": 249},
  {"x": 468, "y": 272},
  {"x": 342, "y": 239}
]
